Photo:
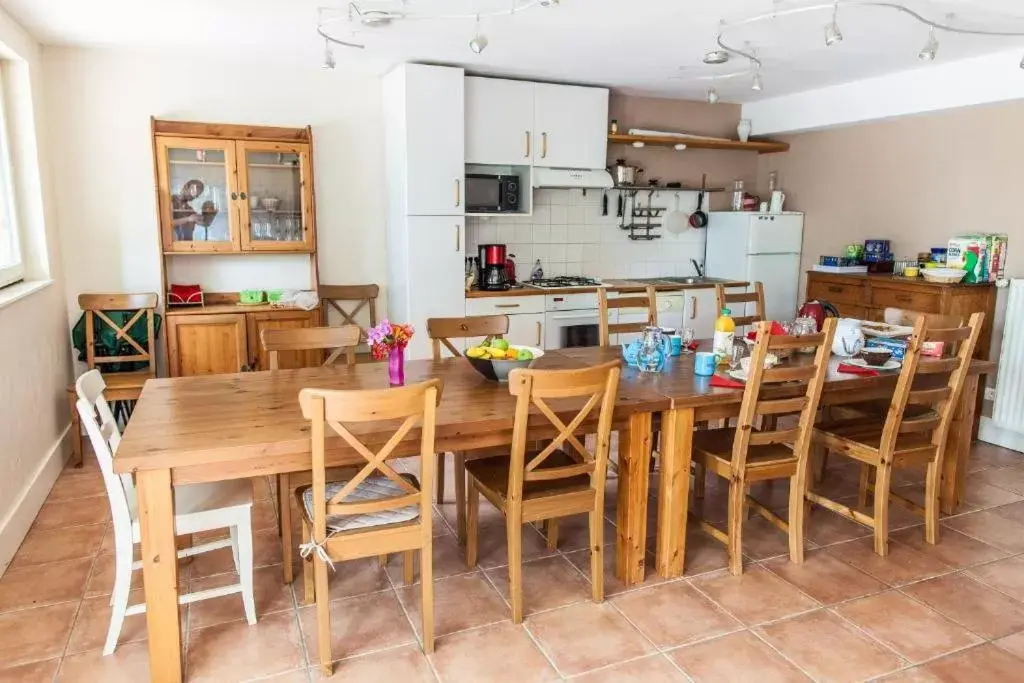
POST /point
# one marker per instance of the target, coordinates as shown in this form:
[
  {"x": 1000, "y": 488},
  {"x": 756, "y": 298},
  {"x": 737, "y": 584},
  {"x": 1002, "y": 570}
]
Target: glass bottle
[{"x": 737, "y": 196}]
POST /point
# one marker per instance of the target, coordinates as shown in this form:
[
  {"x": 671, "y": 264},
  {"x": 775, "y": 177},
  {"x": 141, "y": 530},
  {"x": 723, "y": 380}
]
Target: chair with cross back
[
  {"x": 120, "y": 342},
  {"x": 359, "y": 296}
]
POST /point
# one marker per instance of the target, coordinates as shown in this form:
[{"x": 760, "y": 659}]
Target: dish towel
[
  {"x": 726, "y": 382},
  {"x": 857, "y": 370}
]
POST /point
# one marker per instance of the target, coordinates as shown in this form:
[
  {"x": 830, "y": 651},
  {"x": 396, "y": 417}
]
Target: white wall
[
  {"x": 34, "y": 347},
  {"x": 980, "y": 80},
  {"x": 99, "y": 104}
]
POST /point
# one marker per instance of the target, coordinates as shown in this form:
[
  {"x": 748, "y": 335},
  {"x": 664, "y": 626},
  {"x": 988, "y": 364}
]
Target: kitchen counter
[{"x": 614, "y": 285}]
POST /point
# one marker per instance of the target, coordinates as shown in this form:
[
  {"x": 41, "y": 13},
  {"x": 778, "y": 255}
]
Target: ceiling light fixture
[
  {"x": 716, "y": 57},
  {"x": 757, "y": 85},
  {"x": 329, "y": 62},
  {"x": 712, "y": 96},
  {"x": 930, "y": 49},
  {"x": 833, "y": 36},
  {"x": 479, "y": 42}
]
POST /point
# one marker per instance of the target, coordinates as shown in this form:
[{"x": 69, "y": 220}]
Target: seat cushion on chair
[
  {"x": 375, "y": 487},
  {"x": 493, "y": 474},
  {"x": 717, "y": 444},
  {"x": 201, "y": 507}
]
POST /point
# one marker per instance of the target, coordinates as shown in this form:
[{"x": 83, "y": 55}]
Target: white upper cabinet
[
  {"x": 570, "y": 125},
  {"x": 499, "y": 121},
  {"x": 434, "y": 140}
]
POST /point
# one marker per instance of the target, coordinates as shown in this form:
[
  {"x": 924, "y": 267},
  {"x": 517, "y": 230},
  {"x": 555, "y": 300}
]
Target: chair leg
[
  {"x": 308, "y": 585},
  {"x": 409, "y": 567},
  {"x": 323, "y": 616},
  {"x": 797, "y": 510},
  {"x": 863, "y": 495},
  {"x": 441, "y": 457},
  {"x": 552, "y": 534},
  {"x": 383, "y": 560},
  {"x": 597, "y": 555},
  {"x": 285, "y": 517},
  {"x": 427, "y": 579},
  {"x": 931, "y": 502},
  {"x": 119, "y": 599},
  {"x": 883, "y": 478},
  {"x": 819, "y": 456},
  {"x": 242, "y": 541},
  {"x": 472, "y": 523},
  {"x": 699, "y": 480},
  {"x": 737, "y": 496},
  {"x": 514, "y": 530},
  {"x": 460, "y": 496}
]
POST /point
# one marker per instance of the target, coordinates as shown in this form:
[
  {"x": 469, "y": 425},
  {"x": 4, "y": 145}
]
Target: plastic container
[{"x": 725, "y": 331}]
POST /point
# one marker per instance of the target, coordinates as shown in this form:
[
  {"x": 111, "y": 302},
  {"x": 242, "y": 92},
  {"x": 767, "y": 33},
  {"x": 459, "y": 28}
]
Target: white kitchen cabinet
[
  {"x": 570, "y": 125},
  {"x": 499, "y": 121},
  {"x": 526, "y": 329},
  {"x": 525, "y": 317},
  {"x": 700, "y": 312},
  {"x": 433, "y": 137},
  {"x": 434, "y": 276}
]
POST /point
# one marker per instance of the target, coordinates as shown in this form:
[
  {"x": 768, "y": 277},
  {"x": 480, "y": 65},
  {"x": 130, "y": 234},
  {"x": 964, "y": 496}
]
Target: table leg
[
  {"x": 958, "y": 447},
  {"x": 160, "y": 574},
  {"x": 634, "y": 470},
  {"x": 674, "y": 490}
]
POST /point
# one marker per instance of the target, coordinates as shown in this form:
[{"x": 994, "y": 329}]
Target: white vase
[{"x": 744, "y": 129}]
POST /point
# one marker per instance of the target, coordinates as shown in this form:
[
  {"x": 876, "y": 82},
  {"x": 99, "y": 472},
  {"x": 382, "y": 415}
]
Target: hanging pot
[
  {"x": 625, "y": 175},
  {"x": 699, "y": 219}
]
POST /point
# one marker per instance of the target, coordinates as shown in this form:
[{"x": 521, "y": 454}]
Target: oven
[{"x": 570, "y": 320}]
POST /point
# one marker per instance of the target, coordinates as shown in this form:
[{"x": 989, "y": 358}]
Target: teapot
[{"x": 849, "y": 339}]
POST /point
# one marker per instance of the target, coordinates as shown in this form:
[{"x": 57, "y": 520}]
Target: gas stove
[{"x": 564, "y": 282}]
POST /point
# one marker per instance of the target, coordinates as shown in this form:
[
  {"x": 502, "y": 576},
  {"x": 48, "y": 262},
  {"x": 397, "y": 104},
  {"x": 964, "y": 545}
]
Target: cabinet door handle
[
  {"x": 458, "y": 192},
  {"x": 527, "y": 155},
  {"x": 904, "y": 298},
  {"x": 543, "y": 145},
  {"x": 540, "y": 327},
  {"x": 241, "y": 195},
  {"x": 693, "y": 308},
  {"x": 835, "y": 290},
  {"x": 234, "y": 195},
  {"x": 458, "y": 238},
  {"x": 506, "y": 305}
]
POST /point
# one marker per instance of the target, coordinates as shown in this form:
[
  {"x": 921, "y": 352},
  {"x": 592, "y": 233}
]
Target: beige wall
[
  {"x": 665, "y": 163},
  {"x": 34, "y": 347},
  {"x": 916, "y": 180}
]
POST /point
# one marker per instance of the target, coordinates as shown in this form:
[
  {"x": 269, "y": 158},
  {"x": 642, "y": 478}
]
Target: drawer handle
[
  {"x": 904, "y": 298},
  {"x": 835, "y": 290},
  {"x": 506, "y": 305}
]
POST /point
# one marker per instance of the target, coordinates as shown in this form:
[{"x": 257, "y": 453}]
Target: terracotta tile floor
[{"x": 952, "y": 612}]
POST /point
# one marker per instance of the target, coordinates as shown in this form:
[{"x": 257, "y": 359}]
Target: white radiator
[{"x": 1006, "y": 428}]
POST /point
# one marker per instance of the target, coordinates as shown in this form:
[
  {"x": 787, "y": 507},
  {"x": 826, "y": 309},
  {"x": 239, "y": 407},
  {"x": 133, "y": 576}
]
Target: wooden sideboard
[{"x": 867, "y": 296}]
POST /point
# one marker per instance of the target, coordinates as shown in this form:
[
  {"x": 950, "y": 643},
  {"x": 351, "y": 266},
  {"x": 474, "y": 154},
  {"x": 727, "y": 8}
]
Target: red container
[{"x": 494, "y": 254}]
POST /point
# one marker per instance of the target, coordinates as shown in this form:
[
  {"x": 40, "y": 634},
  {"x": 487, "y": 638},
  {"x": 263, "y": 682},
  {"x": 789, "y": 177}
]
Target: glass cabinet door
[
  {"x": 277, "y": 206},
  {"x": 198, "y": 194}
]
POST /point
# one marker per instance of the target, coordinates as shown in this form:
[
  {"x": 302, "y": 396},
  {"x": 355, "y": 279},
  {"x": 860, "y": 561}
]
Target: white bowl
[
  {"x": 947, "y": 275},
  {"x": 770, "y": 361}
]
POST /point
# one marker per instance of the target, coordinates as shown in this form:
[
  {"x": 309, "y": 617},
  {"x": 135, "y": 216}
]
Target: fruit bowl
[{"x": 497, "y": 369}]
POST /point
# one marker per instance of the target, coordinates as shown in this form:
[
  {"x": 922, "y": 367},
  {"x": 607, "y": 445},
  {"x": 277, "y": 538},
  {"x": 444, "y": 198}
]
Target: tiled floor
[{"x": 951, "y": 612}]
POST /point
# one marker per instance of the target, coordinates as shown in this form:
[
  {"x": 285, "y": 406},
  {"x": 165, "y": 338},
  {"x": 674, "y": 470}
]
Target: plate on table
[
  {"x": 861, "y": 363},
  {"x": 738, "y": 374}
]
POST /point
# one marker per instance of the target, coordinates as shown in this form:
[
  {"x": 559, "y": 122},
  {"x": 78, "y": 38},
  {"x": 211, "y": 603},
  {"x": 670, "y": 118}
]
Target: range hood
[{"x": 566, "y": 178}]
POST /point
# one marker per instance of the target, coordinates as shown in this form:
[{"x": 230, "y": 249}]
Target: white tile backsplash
[{"x": 570, "y": 236}]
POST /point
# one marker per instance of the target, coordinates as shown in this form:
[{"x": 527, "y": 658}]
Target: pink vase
[{"x": 396, "y": 367}]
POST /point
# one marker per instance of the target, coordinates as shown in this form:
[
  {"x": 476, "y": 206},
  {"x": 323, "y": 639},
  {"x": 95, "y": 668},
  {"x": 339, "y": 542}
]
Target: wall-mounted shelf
[
  {"x": 759, "y": 146},
  {"x": 662, "y": 188}
]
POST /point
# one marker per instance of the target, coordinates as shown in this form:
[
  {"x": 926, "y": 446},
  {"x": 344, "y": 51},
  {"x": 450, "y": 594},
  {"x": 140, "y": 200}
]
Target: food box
[
  {"x": 898, "y": 347},
  {"x": 982, "y": 255}
]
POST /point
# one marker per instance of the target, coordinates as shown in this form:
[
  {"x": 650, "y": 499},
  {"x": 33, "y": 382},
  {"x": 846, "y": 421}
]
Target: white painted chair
[{"x": 197, "y": 508}]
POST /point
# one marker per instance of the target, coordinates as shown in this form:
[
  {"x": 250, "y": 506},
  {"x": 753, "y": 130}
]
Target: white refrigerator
[{"x": 758, "y": 247}]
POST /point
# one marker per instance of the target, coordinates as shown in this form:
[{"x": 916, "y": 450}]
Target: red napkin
[
  {"x": 694, "y": 345},
  {"x": 857, "y": 370},
  {"x": 777, "y": 330},
  {"x": 726, "y": 382}
]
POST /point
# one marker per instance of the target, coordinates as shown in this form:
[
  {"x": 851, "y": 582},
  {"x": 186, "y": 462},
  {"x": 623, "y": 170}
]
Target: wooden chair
[
  {"x": 375, "y": 511},
  {"x": 441, "y": 331},
  {"x": 648, "y": 301},
  {"x": 340, "y": 340},
  {"x": 364, "y": 296},
  {"x": 756, "y": 297},
  {"x": 120, "y": 386},
  {"x": 744, "y": 455},
  {"x": 563, "y": 479},
  {"x": 197, "y": 508},
  {"x": 914, "y": 432}
]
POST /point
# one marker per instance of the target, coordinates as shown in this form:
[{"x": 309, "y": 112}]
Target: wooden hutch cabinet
[{"x": 225, "y": 189}]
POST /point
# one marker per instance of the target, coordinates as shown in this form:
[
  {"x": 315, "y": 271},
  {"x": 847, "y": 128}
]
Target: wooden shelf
[{"x": 759, "y": 146}]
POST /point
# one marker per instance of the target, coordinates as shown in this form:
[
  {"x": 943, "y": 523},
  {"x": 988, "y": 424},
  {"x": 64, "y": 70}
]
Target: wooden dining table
[{"x": 220, "y": 427}]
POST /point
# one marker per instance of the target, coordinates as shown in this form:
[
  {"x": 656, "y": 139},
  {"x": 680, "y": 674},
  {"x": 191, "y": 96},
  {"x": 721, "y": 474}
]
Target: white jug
[{"x": 849, "y": 339}]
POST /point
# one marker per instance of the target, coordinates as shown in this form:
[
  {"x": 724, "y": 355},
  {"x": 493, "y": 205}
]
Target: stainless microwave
[{"x": 492, "y": 193}]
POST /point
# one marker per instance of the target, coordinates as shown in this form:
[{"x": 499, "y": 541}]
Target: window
[{"x": 12, "y": 267}]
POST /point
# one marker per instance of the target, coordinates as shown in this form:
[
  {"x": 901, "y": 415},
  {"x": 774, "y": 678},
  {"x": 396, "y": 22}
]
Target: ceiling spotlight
[
  {"x": 757, "y": 85},
  {"x": 479, "y": 42},
  {"x": 716, "y": 57},
  {"x": 832, "y": 33},
  {"x": 329, "y": 62},
  {"x": 680, "y": 147},
  {"x": 712, "y": 96},
  {"x": 930, "y": 49}
]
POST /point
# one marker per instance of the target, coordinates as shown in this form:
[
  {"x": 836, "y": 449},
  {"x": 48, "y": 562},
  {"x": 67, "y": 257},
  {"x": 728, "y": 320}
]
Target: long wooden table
[{"x": 218, "y": 427}]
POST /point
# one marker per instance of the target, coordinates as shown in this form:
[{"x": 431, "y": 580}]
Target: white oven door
[{"x": 570, "y": 328}]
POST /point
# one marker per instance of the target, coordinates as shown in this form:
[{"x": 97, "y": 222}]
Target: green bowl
[
  {"x": 251, "y": 296},
  {"x": 274, "y": 295}
]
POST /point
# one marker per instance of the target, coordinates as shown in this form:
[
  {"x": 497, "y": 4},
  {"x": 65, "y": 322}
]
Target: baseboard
[
  {"x": 16, "y": 525},
  {"x": 990, "y": 432}
]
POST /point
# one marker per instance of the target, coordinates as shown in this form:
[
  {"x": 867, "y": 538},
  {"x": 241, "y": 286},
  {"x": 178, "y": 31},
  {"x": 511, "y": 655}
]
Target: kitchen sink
[{"x": 692, "y": 280}]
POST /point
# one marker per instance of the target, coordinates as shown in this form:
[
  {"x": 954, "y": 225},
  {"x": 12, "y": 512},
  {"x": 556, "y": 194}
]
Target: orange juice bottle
[{"x": 725, "y": 330}]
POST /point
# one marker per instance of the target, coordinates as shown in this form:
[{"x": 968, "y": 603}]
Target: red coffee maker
[{"x": 492, "y": 267}]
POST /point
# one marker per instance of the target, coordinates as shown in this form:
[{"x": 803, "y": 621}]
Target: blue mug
[
  {"x": 704, "y": 363},
  {"x": 677, "y": 344}
]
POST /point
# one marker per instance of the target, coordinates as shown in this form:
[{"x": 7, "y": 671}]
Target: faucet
[{"x": 697, "y": 267}]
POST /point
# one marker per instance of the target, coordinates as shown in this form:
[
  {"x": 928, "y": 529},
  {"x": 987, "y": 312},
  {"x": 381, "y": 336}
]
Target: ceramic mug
[
  {"x": 704, "y": 363},
  {"x": 677, "y": 344}
]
